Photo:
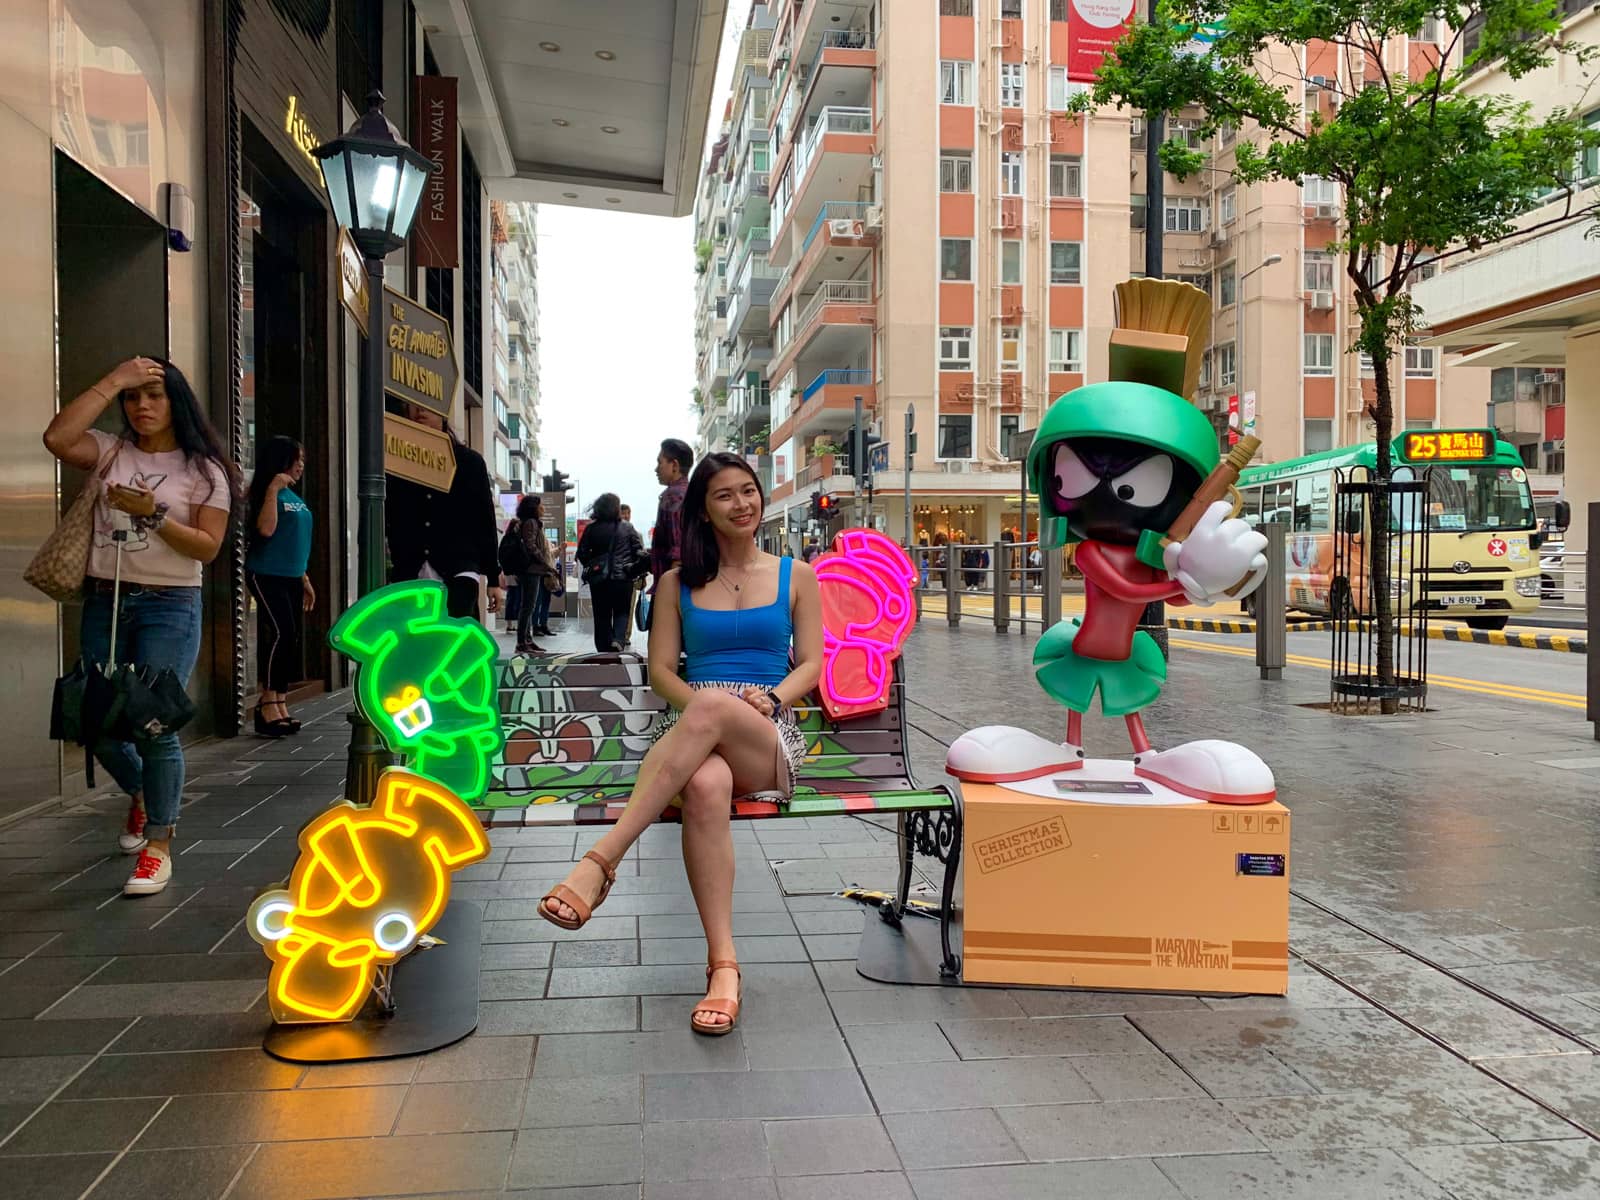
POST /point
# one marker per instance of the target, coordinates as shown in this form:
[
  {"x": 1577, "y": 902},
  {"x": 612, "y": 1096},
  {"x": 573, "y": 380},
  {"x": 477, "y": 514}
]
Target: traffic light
[
  {"x": 558, "y": 481},
  {"x": 823, "y": 506}
]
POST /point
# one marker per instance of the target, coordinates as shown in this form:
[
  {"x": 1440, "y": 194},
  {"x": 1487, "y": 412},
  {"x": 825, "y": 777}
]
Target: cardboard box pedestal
[{"x": 1126, "y": 886}]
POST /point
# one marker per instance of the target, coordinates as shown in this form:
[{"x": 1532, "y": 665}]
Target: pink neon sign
[{"x": 867, "y": 611}]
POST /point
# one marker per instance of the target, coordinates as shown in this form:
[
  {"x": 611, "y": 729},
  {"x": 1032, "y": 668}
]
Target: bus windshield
[{"x": 1477, "y": 499}]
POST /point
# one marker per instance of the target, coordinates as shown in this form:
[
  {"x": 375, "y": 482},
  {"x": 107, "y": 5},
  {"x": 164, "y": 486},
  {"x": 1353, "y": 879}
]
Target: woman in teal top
[
  {"x": 750, "y": 627},
  {"x": 279, "y": 526}
]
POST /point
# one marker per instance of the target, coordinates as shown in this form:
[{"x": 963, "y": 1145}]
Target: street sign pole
[
  {"x": 910, "y": 450},
  {"x": 858, "y": 460}
]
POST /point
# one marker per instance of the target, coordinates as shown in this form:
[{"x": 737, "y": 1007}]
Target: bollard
[
  {"x": 919, "y": 563},
  {"x": 952, "y": 582},
  {"x": 1271, "y": 599},
  {"x": 1051, "y": 599},
  {"x": 1591, "y": 605},
  {"x": 1000, "y": 580}
]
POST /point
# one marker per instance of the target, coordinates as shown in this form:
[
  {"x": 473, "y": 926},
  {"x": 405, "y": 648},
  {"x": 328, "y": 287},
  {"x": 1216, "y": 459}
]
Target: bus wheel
[
  {"x": 1486, "y": 622},
  {"x": 1248, "y": 606}
]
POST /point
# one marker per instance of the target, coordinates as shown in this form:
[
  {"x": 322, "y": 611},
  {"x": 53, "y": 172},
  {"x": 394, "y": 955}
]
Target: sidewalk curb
[{"x": 1559, "y": 642}]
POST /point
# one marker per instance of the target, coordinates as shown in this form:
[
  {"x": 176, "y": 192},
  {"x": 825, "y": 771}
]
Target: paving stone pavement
[{"x": 1437, "y": 1041}]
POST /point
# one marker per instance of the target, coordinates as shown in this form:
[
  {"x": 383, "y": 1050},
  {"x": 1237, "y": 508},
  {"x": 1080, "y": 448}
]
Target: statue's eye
[
  {"x": 1147, "y": 484},
  {"x": 1073, "y": 479}
]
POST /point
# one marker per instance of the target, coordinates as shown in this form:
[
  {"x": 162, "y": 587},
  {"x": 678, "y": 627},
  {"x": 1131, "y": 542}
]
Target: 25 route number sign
[{"x": 1447, "y": 445}]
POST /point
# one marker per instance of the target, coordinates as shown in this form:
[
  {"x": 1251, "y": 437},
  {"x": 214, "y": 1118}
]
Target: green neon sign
[{"x": 426, "y": 682}]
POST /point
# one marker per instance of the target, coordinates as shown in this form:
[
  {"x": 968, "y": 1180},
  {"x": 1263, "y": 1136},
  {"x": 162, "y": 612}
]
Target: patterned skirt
[{"x": 791, "y": 743}]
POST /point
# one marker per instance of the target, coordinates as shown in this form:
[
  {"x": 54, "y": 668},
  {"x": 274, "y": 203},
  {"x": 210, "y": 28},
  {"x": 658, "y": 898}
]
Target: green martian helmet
[{"x": 1133, "y": 412}]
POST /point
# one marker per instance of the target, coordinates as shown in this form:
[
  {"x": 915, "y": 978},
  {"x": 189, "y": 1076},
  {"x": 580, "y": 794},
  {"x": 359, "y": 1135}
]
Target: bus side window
[
  {"x": 1302, "y": 505},
  {"x": 1252, "y": 504},
  {"x": 1276, "y": 500},
  {"x": 1321, "y": 504}
]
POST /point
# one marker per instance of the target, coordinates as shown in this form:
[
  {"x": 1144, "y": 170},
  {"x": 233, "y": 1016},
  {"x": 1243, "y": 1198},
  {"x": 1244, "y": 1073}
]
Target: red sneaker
[
  {"x": 151, "y": 874},
  {"x": 132, "y": 840}
]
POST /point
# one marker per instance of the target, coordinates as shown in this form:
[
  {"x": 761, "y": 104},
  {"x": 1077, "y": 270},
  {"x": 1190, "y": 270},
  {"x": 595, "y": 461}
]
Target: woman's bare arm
[
  {"x": 666, "y": 644},
  {"x": 807, "y": 613},
  {"x": 67, "y": 436}
]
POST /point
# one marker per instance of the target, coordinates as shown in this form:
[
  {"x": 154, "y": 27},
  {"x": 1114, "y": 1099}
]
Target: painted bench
[{"x": 577, "y": 728}]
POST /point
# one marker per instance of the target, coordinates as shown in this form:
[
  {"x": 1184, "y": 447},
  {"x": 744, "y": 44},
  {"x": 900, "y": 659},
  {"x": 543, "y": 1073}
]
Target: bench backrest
[{"x": 577, "y": 727}]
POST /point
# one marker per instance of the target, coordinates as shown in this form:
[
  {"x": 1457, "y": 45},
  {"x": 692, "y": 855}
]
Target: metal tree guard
[{"x": 1360, "y": 502}]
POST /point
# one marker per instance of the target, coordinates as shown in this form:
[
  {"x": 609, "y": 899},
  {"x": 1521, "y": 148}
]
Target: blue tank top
[{"x": 749, "y": 645}]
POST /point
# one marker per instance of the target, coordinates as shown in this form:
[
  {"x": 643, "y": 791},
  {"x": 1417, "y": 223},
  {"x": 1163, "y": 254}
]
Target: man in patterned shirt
[{"x": 666, "y": 540}]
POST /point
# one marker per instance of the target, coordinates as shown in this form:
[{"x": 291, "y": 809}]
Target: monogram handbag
[{"x": 58, "y": 568}]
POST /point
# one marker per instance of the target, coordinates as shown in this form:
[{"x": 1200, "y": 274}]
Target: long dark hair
[
  {"x": 701, "y": 559},
  {"x": 606, "y": 507},
  {"x": 531, "y": 508},
  {"x": 275, "y": 456},
  {"x": 193, "y": 432}
]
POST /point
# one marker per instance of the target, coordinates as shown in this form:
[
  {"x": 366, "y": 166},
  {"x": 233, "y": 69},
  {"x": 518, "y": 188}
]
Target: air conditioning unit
[
  {"x": 1219, "y": 238},
  {"x": 875, "y": 217},
  {"x": 1327, "y": 212},
  {"x": 1547, "y": 377},
  {"x": 1321, "y": 301},
  {"x": 844, "y": 227},
  {"x": 957, "y": 466}
]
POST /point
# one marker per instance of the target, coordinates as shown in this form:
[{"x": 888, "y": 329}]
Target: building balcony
[
  {"x": 750, "y": 205},
  {"x": 755, "y": 242},
  {"x": 818, "y": 28},
  {"x": 752, "y": 299},
  {"x": 827, "y": 470},
  {"x": 835, "y": 325},
  {"x": 837, "y": 246},
  {"x": 828, "y": 404},
  {"x": 832, "y": 161}
]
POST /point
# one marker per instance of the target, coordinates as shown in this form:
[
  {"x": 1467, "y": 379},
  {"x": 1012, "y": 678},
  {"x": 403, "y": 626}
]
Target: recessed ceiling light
[
  {"x": 608, "y": 129},
  {"x": 605, "y": 55},
  {"x": 835, "y": 20},
  {"x": 569, "y": 195},
  {"x": 839, "y": 92},
  {"x": 550, "y": 47},
  {"x": 561, "y": 121},
  {"x": 613, "y": 200}
]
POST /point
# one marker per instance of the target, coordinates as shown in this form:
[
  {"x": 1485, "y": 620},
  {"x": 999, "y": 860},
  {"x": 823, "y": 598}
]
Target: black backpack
[{"x": 514, "y": 556}]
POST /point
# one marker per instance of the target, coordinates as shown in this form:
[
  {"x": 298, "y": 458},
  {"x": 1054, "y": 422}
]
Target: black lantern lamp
[{"x": 374, "y": 180}]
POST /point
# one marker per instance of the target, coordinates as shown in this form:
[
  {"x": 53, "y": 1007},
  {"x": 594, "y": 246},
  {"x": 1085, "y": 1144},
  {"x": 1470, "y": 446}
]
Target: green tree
[{"x": 1425, "y": 169}]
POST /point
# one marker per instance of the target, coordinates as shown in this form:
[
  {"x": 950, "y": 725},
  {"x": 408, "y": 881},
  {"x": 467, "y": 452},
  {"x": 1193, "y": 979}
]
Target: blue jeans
[{"x": 158, "y": 627}]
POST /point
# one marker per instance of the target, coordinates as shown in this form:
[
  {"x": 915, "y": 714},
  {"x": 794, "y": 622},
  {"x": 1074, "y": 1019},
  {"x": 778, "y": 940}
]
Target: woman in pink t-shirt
[{"x": 169, "y": 489}]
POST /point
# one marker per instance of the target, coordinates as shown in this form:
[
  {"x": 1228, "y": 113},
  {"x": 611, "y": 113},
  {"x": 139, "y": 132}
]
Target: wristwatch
[{"x": 777, "y": 704}]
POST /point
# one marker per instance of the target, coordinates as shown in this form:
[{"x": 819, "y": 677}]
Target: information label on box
[{"x": 1261, "y": 864}]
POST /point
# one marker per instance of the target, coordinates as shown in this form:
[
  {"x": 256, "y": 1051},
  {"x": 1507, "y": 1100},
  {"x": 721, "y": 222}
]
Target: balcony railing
[
  {"x": 824, "y": 466},
  {"x": 834, "y": 291},
  {"x": 754, "y": 48},
  {"x": 841, "y": 376},
  {"x": 829, "y": 120},
  {"x": 835, "y": 210},
  {"x": 837, "y": 39}
]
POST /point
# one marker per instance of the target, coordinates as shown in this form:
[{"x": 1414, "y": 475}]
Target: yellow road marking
[{"x": 1506, "y": 691}]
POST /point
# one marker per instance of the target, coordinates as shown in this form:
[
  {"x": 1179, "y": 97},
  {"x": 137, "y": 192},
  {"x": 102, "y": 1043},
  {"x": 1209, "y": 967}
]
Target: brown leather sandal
[
  {"x": 565, "y": 895},
  {"x": 726, "y": 1008}
]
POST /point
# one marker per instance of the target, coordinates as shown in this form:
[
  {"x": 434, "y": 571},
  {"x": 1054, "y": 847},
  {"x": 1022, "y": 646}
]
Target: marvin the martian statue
[{"x": 1129, "y": 472}]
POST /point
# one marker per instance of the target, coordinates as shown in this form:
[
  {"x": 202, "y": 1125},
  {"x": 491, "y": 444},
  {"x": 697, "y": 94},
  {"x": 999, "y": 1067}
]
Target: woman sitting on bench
[{"x": 750, "y": 627}]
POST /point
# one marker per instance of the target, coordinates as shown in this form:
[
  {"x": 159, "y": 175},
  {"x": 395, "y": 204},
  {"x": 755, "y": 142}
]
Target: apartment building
[
  {"x": 940, "y": 235},
  {"x": 511, "y": 418}
]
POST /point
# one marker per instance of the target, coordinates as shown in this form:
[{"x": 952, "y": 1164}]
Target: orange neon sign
[
  {"x": 368, "y": 885},
  {"x": 1447, "y": 445}
]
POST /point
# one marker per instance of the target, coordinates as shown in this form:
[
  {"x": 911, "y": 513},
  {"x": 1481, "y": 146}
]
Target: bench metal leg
[{"x": 937, "y": 835}]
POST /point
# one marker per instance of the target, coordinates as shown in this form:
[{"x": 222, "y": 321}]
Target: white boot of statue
[
  {"x": 1004, "y": 754},
  {"x": 1221, "y": 772}
]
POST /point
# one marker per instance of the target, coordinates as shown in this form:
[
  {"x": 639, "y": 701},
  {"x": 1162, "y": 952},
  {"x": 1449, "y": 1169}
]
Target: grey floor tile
[
  {"x": 761, "y": 1095},
  {"x": 1564, "y": 1170},
  {"x": 893, "y": 1005},
  {"x": 1304, "y": 1175},
  {"x": 876, "y": 1186},
  {"x": 1568, "y": 1082},
  {"x": 1126, "y": 1179},
  {"x": 82, "y": 1126},
  {"x": 1509, "y": 1116},
  {"x": 528, "y": 956},
  {"x": 795, "y": 1049},
  {"x": 35, "y": 1080},
  {"x": 833, "y": 946},
  {"x": 955, "y": 1137},
  {"x": 1054, "y": 1037},
  {"x": 114, "y": 1075},
  {"x": 29, "y": 1039},
  {"x": 749, "y": 1188},
  {"x": 682, "y": 980},
  {"x": 1067, "y": 1003},
  {"x": 379, "y": 1072},
  {"x": 605, "y": 1154},
  {"x": 745, "y": 924},
  {"x": 202, "y": 1174},
  {"x": 578, "y": 1103},
  {"x": 830, "y": 1146},
  {"x": 479, "y": 1057},
  {"x": 843, "y": 919},
  {"x": 197, "y": 1031},
  {"x": 1313, "y": 1122},
  {"x": 924, "y": 1087},
  {"x": 364, "y": 1167},
  {"x": 500, "y": 1018},
  {"x": 237, "y": 1118},
  {"x": 478, "y": 1106},
  {"x": 708, "y": 1150},
  {"x": 692, "y": 951},
  {"x": 913, "y": 1041},
  {"x": 513, "y": 985},
  {"x": 1135, "y": 1077},
  {"x": 1126, "y": 1129},
  {"x": 598, "y": 954},
  {"x": 56, "y": 1177},
  {"x": 577, "y": 1055},
  {"x": 185, "y": 968}
]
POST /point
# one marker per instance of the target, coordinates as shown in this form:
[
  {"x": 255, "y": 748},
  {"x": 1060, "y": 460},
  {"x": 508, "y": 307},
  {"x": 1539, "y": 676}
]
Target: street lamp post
[
  {"x": 374, "y": 182},
  {"x": 1238, "y": 327}
]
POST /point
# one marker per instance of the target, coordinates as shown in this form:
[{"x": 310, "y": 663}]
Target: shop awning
[{"x": 595, "y": 103}]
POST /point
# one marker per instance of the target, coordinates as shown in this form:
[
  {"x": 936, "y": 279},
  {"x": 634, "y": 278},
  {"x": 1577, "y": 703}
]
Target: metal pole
[
  {"x": 1591, "y": 603},
  {"x": 1000, "y": 568},
  {"x": 1051, "y": 600},
  {"x": 367, "y": 755},
  {"x": 1272, "y": 634},
  {"x": 952, "y": 593},
  {"x": 1154, "y": 620},
  {"x": 911, "y": 426},
  {"x": 858, "y": 463}
]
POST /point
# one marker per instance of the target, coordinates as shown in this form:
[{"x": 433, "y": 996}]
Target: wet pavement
[{"x": 1439, "y": 1038}]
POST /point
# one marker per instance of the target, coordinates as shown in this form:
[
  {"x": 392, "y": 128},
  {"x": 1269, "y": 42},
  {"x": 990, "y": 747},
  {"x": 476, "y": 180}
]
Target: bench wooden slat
[{"x": 606, "y": 811}]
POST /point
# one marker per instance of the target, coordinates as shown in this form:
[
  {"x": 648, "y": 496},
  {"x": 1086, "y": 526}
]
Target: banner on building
[
  {"x": 1093, "y": 28},
  {"x": 419, "y": 362},
  {"x": 436, "y": 227},
  {"x": 353, "y": 291},
  {"x": 1233, "y": 419}
]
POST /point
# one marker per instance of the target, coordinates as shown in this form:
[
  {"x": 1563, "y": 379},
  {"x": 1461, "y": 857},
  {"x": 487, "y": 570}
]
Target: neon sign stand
[
  {"x": 371, "y": 885},
  {"x": 868, "y": 610}
]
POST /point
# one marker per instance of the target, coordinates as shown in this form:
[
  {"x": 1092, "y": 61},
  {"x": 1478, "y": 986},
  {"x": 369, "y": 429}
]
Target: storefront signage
[
  {"x": 420, "y": 362},
  {"x": 415, "y": 452},
  {"x": 438, "y": 243},
  {"x": 1447, "y": 445},
  {"x": 300, "y": 131},
  {"x": 1093, "y": 28},
  {"x": 353, "y": 280}
]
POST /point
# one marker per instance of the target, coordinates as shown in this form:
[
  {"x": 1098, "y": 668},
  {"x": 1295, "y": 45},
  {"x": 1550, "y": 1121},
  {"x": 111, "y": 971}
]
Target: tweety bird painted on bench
[{"x": 1129, "y": 472}]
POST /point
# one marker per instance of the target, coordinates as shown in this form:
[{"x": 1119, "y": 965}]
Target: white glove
[{"x": 1219, "y": 551}]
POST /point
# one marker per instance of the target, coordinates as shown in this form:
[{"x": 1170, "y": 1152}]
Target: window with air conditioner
[
  {"x": 955, "y": 260},
  {"x": 1011, "y": 173},
  {"x": 1010, "y": 85},
  {"x": 955, "y": 82},
  {"x": 1011, "y": 261},
  {"x": 1424, "y": 268},
  {"x": 1186, "y": 214},
  {"x": 1137, "y": 206},
  {"x": 1227, "y": 209},
  {"x": 1227, "y": 366},
  {"x": 1066, "y": 351},
  {"x": 955, "y": 348},
  {"x": 1317, "y": 190},
  {"x": 1010, "y": 348},
  {"x": 1318, "y": 354},
  {"x": 1066, "y": 262},
  {"x": 1066, "y": 175},
  {"x": 1227, "y": 284},
  {"x": 955, "y": 171},
  {"x": 1184, "y": 130},
  {"x": 1062, "y": 89},
  {"x": 955, "y": 435},
  {"x": 1420, "y": 362},
  {"x": 1317, "y": 434},
  {"x": 1136, "y": 133},
  {"x": 1318, "y": 271}
]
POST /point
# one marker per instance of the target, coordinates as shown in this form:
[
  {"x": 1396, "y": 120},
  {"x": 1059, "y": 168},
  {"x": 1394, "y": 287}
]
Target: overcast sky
[{"x": 616, "y": 334}]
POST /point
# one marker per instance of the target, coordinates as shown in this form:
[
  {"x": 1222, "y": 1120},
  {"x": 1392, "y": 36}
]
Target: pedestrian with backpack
[{"x": 524, "y": 555}]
